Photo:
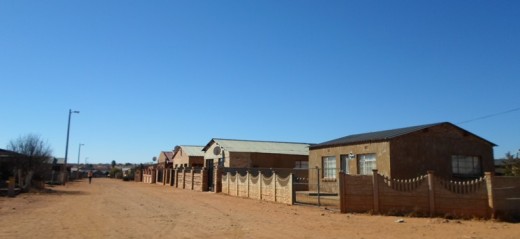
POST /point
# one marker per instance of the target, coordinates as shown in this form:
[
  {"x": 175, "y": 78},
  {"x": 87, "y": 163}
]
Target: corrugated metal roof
[
  {"x": 251, "y": 146},
  {"x": 58, "y": 160},
  {"x": 380, "y": 136},
  {"x": 193, "y": 150}
]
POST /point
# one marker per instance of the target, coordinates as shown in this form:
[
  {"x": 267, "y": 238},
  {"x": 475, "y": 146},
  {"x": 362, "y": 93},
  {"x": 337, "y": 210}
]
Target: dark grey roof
[
  {"x": 381, "y": 136},
  {"x": 9, "y": 155}
]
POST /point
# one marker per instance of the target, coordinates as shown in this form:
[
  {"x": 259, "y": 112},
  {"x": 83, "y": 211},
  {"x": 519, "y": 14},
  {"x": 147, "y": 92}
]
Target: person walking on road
[{"x": 90, "y": 177}]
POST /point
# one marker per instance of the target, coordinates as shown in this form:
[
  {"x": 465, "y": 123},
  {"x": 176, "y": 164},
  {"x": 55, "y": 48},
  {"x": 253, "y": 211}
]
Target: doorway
[{"x": 209, "y": 166}]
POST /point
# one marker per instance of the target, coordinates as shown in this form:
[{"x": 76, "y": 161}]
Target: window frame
[
  {"x": 362, "y": 163},
  {"x": 458, "y": 166},
  {"x": 299, "y": 164},
  {"x": 328, "y": 172}
]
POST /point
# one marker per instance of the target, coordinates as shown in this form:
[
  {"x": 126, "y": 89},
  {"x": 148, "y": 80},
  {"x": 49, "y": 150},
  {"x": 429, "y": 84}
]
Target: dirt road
[{"x": 115, "y": 209}]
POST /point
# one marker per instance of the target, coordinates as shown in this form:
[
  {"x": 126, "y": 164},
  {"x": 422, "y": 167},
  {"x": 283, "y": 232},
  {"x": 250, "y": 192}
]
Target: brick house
[
  {"x": 188, "y": 156},
  {"x": 164, "y": 164},
  {"x": 229, "y": 153},
  {"x": 450, "y": 151}
]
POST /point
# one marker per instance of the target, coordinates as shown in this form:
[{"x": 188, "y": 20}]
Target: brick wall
[
  {"x": 506, "y": 194},
  {"x": 358, "y": 195},
  {"x": 273, "y": 188},
  {"x": 191, "y": 179},
  {"x": 149, "y": 175},
  {"x": 486, "y": 197}
]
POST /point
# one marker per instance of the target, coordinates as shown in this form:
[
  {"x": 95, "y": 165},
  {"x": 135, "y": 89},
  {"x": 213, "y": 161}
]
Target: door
[
  {"x": 209, "y": 166},
  {"x": 345, "y": 163}
]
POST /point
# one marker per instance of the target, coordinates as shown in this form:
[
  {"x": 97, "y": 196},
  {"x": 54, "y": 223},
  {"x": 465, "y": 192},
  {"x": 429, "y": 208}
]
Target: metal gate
[{"x": 312, "y": 188}]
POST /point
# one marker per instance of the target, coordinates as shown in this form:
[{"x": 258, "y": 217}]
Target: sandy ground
[{"x": 115, "y": 209}]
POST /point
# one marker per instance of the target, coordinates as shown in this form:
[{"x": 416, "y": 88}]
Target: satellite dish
[{"x": 351, "y": 155}]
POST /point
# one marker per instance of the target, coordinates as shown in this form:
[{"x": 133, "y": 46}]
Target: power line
[{"x": 489, "y": 116}]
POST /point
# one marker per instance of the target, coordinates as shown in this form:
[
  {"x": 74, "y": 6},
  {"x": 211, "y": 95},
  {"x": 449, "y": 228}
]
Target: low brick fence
[
  {"x": 271, "y": 188},
  {"x": 164, "y": 176},
  {"x": 191, "y": 178},
  {"x": 506, "y": 197},
  {"x": 138, "y": 175},
  {"x": 429, "y": 195},
  {"x": 149, "y": 175}
]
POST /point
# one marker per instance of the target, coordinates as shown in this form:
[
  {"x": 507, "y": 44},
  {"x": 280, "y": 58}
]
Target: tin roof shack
[
  {"x": 450, "y": 151},
  {"x": 254, "y": 154},
  {"x": 188, "y": 156}
]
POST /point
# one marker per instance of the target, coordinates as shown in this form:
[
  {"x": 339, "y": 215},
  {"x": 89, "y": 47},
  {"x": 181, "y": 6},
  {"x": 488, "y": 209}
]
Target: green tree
[
  {"x": 36, "y": 154},
  {"x": 113, "y": 163},
  {"x": 512, "y": 165},
  {"x": 116, "y": 173}
]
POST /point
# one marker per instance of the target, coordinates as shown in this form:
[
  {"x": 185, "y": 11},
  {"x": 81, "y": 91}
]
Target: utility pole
[{"x": 67, "y": 147}]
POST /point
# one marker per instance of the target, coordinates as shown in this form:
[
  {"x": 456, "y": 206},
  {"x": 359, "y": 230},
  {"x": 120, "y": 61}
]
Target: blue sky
[{"x": 149, "y": 75}]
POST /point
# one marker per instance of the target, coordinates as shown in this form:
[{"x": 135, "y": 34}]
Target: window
[
  {"x": 465, "y": 165},
  {"x": 329, "y": 167},
  {"x": 301, "y": 164},
  {"x": 366, "y": 163}
]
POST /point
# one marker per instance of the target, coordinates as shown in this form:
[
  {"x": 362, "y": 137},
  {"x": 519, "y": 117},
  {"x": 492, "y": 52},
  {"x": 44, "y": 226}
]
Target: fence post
[
  {"x": 227, "y": 182},
  {"x": 275, "y": 177},
  {"x": 260, "y": 180},
  {"x": 237, "y": 179},
  {"x": 375, "y": 184},
  {"x": 183, "y": 178},
  {"x": 192, "y": 178},
  {"x": 318, "y": 173},
  {"x": 171, "y": 177},
  {"x": 431, "y": 192},
  {"x": 164, "y": 177},
  {"x": 217, "y": 179},
  {"x": 204, "y": 179},
  {"x": 491, "y": 200},
  {"x": 342, "y": 206},
  {"x": 247, "y": 175},
  {"x": 291, "y": 190},
  {"x": 176, "y": 178},
  {"x": 156, "y": 176}
]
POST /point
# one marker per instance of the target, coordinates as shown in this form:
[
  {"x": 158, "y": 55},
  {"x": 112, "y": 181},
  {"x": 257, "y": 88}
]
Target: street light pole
[
  {"x": 79, "y": 153},
  {"x": 67, "y": 145}
]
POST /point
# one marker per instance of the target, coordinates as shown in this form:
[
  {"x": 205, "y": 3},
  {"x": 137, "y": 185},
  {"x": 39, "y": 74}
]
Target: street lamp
[
  {"x": 67, "y": 144},
  {"x": 79, "y": 153}
]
